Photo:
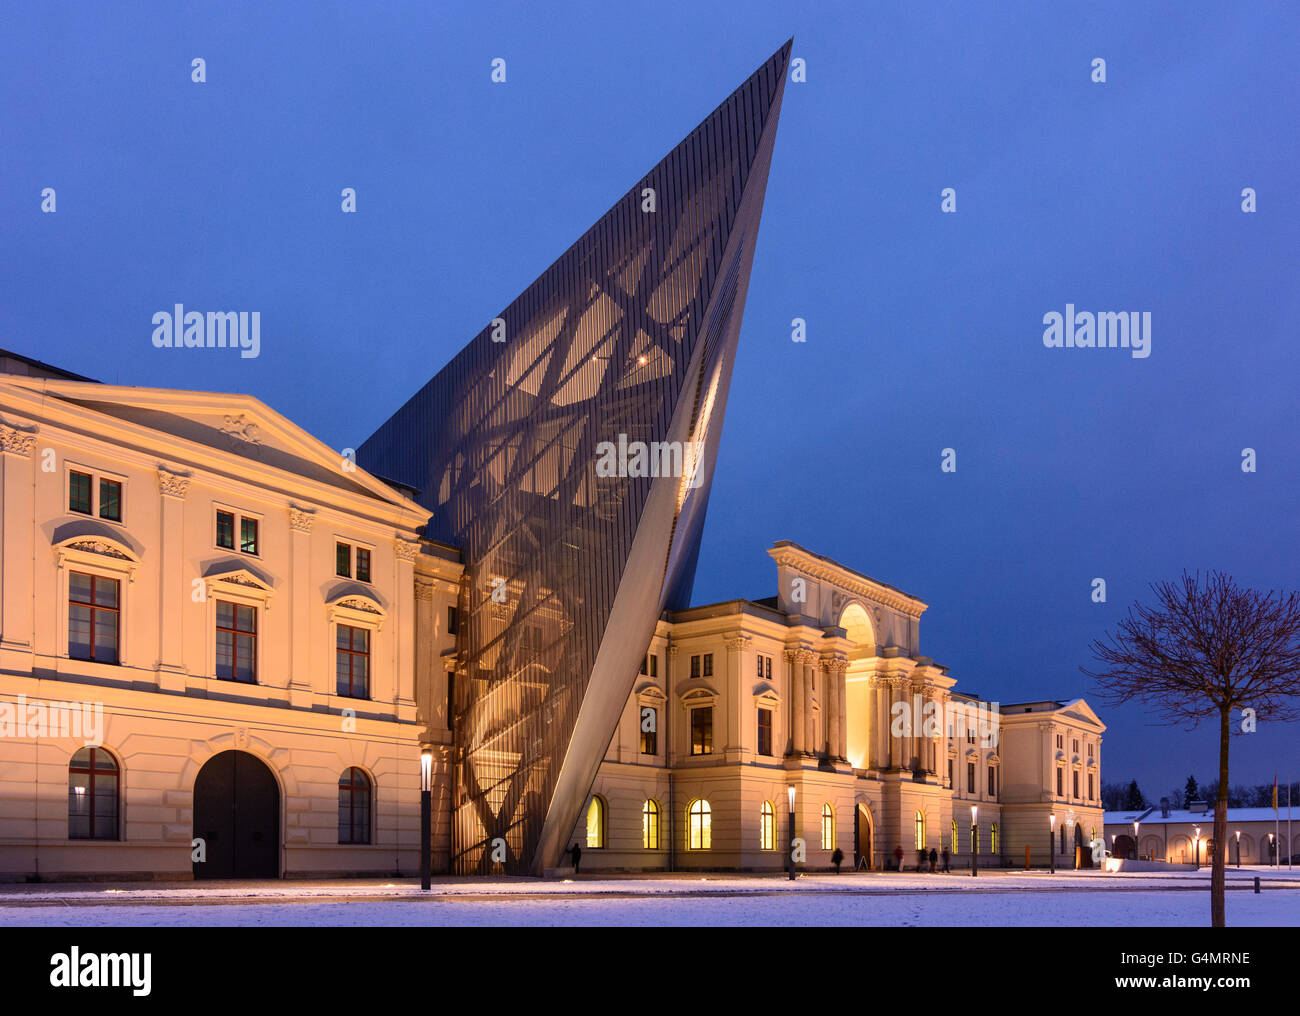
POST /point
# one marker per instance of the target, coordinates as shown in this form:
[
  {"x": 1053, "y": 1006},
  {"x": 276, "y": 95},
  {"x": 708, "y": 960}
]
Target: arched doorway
[
  {"x": 237, "y": 816},
  {"x": 1123, "y": 846},
  {"x": 863, "y": 856}
]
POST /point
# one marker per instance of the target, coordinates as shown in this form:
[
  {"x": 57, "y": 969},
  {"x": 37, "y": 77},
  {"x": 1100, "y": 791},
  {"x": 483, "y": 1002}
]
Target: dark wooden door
[{"x": 237, "y": 815}]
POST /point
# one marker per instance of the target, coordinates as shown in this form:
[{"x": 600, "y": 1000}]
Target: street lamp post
[
  {"x": 974, "y": 840},
  {"x": 1051, "y": 841},
  {"x": 1271, "y": 850},
  {"x": 1136, "y": 854},
  {"x": 426, "y": 810},
  {"x": 1196, "y": 843},
  {"x": 1238, "y": 848},
  {"x": 790, "y": 854}
]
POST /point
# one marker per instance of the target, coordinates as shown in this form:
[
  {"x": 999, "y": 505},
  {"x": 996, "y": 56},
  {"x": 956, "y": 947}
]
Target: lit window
[
  {"x": 993, "y": 838},
  {"x": 699, "y": 824},
  {"x": 920, "y": 830},
  {"x": 236, "y": 642},
  {"x": 92, "y": 795},
  {"x": 352, "y": 661},
  {"x": 650, "y": 825},
  {"x": 228, "y": 523},
  {"x": 94, "y": 612},
  {"x": 767, "y": 827},
  {"x": 354, "y": 806},
  {"x": 596, "y": 824},
  {"x": 828, "y": 827},
  {"x": 702, "y": 731},
  {"x": 954, "y": 836}
]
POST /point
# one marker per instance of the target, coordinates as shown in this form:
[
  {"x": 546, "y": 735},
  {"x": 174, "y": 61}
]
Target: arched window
[
  {"x": 699, "y": 824},
  {"x": 954, "y": 836},
  {"x": 767, "y": 827},
  {"x": 354, "y": 806},
  {"x": 920, "y": 830},
  {"x": 828, "y": 827},
  {"x": 93, "y": 786},
  {"x": 993, "y": 838},
  {"x": 596, "y": 824},
  {"x": 650, "y": 825}
]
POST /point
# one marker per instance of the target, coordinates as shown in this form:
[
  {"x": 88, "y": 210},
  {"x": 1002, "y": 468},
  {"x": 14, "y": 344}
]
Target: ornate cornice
[
  {"x": 301, "y": 519},
  {"x": 172, "y": 483},
  {"x": 856, "y": 585},
  {"x": 17, "y": 441}
]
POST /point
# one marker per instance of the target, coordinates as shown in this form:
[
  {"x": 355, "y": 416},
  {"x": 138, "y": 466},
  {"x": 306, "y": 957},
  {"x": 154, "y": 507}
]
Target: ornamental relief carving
[{"x": 17, "y": 441}]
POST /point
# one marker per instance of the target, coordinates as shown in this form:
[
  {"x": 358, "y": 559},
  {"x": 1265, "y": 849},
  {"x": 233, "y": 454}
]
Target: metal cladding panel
[{"x": 630, "y": 336}]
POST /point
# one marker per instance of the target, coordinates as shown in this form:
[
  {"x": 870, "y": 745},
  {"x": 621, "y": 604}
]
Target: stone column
[
  {"x": 17, "y": 531},
  {"x": 300, "y": 659},
  {"x": 807, "y": 661},
  {"x": 172, "y": 598},
  {"x": 795, "y": 699},
  {"x": 403, "y": 630},
  {"x": 734, "y": 700},
  {"x": 898, "y": 746},
  {"x": 429, "y": 705},
  {"x": 842, "y": 712},
  {"x": 831, "y": 697}
]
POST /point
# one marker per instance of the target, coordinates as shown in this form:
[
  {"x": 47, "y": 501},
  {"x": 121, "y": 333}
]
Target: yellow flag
[{"x": 1275, "y": 793}]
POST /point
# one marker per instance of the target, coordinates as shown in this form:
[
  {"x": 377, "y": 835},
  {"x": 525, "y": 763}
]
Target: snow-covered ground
[{"x": 865, "y": 899}]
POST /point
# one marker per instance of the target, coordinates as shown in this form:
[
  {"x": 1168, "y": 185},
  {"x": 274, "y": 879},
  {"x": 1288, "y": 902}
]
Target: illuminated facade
[{"x": 627, "y": 342}]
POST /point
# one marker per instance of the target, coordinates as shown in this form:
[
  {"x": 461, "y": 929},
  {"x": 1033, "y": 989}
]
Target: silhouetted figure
[
  {"x": 837, "y": 859},
  {"x": 576, "y": 851},
  {"x": 898, "y": 856},
  {"x": 934, "y": 860},
  {"x": 945, "y": 860}
]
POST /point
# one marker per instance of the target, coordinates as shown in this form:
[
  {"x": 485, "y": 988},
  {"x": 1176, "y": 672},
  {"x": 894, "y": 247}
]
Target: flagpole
[
  {"x": 1290, "y": 848},
  {"x": 1277, "y": 833}
]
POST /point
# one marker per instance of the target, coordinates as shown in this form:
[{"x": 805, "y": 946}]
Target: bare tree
[{"x": 1201, "y": 651}]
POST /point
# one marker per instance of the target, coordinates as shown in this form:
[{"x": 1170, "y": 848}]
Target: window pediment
[
  {"x": 357, "y": 609},
  {"x": 239, "y": 583},
  {"x": 98, "y": 551},
  {"x": 766, "y": 694},
  {"x": 702, "y": 695}
]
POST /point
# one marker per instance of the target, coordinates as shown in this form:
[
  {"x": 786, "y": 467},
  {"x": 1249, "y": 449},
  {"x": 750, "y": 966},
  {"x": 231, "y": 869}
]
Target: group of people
[{"x": 922, "y": 857}]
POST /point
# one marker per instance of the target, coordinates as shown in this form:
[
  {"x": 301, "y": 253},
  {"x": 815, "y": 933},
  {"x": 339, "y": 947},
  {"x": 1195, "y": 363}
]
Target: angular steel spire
[{"x": 629, "y": 337}]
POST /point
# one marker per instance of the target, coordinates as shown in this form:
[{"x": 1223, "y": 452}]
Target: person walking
[
  {"x": 945, "y": 859},
  {"x": 934, "y": 860},
  {"x": 576, "y": 851},
  {"x": 898, "y": 856},
  {"x": 837, "y": 859}
]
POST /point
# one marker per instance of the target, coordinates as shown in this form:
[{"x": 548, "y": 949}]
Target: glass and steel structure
[{"x": 568, "y": 451}]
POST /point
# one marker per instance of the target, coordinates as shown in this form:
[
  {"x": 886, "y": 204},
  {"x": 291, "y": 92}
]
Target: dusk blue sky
[{"x": 924, "y": 329}]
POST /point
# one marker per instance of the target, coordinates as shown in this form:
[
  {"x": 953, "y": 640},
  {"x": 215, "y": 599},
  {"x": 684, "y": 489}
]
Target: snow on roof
[{"x": 1184, "y": 817}]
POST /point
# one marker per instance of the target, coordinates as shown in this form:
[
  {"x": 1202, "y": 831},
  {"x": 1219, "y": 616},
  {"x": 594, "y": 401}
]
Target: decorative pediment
[
  {"x": 766, "y": 694},
  {"x": 358, "y": 610},
  {"x": 650, "y": 691},
  {"x": 240, "y": 583},
  {"x": 97, "y": 550},
  {"x": 700, "y": 695}
]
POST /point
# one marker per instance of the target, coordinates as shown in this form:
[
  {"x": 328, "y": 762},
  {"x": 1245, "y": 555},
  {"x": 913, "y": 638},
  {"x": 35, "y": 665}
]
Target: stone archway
[{"x": 237, "y": 817}]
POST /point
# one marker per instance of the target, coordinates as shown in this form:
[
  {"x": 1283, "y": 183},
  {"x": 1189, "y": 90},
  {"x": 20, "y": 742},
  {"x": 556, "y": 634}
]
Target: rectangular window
[
  {"x": 343, "y": 560},
  {"x": 970, "y": 735},
  {"x": 650, "y": 738},
  {"x": 950, "y": 783},
  {"x": 654, "y": 665},
  {"x": 453, "y": 621},
  {"x": 765, "y": 732},
  {"x": 229, "y": 523},
  {"x": 352, "y": 661},
  {"x": 236, "y": 642},
  {"x": 970, "y": 777},
  {"x": 1060, "y": 782},
  {"x": 695, "y": 666},
  {"x": 1060, "y": 742},
  {"x": 79, "y": 493},
  {"x": 93, "y": 618},
  {"x": 993, "y": 783},
  {"x": 1091, "y": 796},
  {"x": 226, "y": 530},
  {"x": 1075, "y": 749},
  {"x": 702, "y": 731},
  {"x": 645, "y": 664},
  {"x": 110, "y": 500},
  {"x": 708, "y": 664},
  {"x": 363, "y": 565},
  {"x": 764, "y": 667},
  {"x": 1075, "y": 774}
]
